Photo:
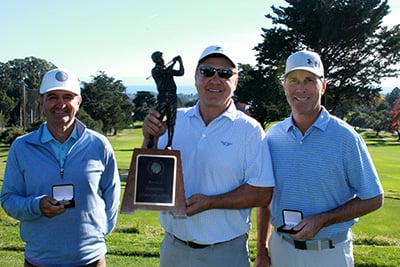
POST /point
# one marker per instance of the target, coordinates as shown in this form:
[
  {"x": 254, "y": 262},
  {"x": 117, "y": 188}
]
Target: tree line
[
  {"x": 106, "y": 108},
  {"x": 356, "y": 49},
  {"x": 357, "y": 52}
]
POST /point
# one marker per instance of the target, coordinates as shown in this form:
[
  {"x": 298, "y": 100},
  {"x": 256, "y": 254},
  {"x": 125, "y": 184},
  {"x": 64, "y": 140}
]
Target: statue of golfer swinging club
[
  {"x": 155, "y": 178},
  {"x": 163, "y": 76}
]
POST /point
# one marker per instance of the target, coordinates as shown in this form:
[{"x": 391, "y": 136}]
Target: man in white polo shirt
[{"x": 226, "y": 171}]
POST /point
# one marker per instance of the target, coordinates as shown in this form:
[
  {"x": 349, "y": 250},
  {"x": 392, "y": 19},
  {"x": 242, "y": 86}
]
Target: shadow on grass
[
  {"x": 376, "y": 241},
  {"x": 135, "y": 254},
  {"x": 371, "y": 265},
  {"x": 383, "y": 143},
  {"x": 392, "y": 194},
  {"x": 380, "y": 140},
  {"x": 127, "y": 230},
  {"x": 4, "y": 149},
  {"x": 124, "y": 150},
  {"x": 137, "y": 126},
  {"x": 13, "y": 248},
  {"x": 123, "y": 175}
]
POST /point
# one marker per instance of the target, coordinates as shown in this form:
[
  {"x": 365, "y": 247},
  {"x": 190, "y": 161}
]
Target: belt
[
  {"x": 193, "y": 244},
  {"x": 99, "y": 262},
  {"x": 315, "y": 244}
]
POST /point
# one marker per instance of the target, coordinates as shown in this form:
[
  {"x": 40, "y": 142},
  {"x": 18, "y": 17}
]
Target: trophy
[{"x": 155, "y": 179}]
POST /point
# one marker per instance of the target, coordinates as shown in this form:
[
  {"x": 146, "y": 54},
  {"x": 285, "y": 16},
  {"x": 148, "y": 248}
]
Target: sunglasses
[{"x": 208, "y": 71}]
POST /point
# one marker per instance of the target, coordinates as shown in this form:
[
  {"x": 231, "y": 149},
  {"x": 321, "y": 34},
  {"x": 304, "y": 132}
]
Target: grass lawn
[{"x": 137, "y": 237}]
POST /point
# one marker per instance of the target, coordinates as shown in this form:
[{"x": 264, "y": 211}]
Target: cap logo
[
  {"x": 219, "y": 49},
  {"x": 311, "y": 62},
  {"x": 61, "y": 76}
]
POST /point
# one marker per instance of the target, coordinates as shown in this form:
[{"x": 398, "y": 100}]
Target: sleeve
[
  {"x": 111, "y": 188},
  {"x": 14, "y": 199},
  {"x": 361, "y": 171},
  {"x": 259, "y": 170}
]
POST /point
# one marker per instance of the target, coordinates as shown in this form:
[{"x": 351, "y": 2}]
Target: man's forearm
[
  {"x": 245, "y": 196},
  {"x": 352, "y": 209},
  {"x": 263, "y": 227}
]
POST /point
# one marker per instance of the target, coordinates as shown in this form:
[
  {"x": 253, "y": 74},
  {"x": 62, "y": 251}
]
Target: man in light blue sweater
[{"x": 62, "y": 183}]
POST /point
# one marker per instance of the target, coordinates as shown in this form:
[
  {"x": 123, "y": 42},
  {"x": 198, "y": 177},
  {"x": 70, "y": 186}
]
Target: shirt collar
[
  {"x": 48, "y": 137},
  {"x": 321, "y": 122},
  {"x": 230, "y": 113}
]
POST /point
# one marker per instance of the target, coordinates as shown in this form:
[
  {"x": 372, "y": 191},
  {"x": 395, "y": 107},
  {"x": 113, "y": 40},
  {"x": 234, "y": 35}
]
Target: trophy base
[{"x": 155, "y": 182}]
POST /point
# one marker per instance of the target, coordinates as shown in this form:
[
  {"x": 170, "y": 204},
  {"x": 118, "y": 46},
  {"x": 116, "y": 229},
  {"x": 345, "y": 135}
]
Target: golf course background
[{"x": 137, "y": 237}]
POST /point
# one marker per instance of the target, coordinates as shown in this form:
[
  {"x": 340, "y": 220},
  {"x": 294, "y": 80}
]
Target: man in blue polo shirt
[{"x": 324, "y": 177}]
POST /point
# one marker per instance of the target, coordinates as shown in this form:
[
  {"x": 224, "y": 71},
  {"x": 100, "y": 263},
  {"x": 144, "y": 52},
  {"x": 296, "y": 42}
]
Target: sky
[{"x": 119, "y": 36}]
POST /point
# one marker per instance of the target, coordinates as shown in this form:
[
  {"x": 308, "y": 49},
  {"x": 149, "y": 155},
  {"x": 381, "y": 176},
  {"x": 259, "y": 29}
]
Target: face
[
  {"x": 60, "y": 107},
  {"x": 159, "y": 60},
  {"x": 215, "y": 92},
  {"x": 303, "y": 92}
]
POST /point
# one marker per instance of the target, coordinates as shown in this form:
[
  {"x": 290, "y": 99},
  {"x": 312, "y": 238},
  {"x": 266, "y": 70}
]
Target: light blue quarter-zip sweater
[{"x": 76, "y": 236}]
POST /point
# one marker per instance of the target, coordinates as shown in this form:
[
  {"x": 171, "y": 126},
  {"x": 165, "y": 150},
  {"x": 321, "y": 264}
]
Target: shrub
[{"x": 9, "y": 135}]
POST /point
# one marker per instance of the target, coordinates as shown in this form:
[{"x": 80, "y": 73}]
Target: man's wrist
[
  {"x": 146, "y": 141},
  {"x": 262, "y": 253}
]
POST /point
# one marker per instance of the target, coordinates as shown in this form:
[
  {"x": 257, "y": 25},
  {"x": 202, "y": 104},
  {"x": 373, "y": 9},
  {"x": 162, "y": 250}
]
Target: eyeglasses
[{"x": 208, "y": 71}]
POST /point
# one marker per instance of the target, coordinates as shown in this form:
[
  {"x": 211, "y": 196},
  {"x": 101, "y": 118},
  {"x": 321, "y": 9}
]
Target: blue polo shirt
[
  {"x": 60, "y": 150},
  {"x": 320, "y": 170}
]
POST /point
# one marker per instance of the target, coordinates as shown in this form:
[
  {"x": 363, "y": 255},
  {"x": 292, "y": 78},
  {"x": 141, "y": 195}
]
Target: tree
[
  {"x": 265, "y": 97},
  {"x": 89, "y": 121},
  {"x": 392, "y": 96},
  {"x": 395, "y": 114},
  {"x": 187, "y": 100},
  {"x": 7, "y": 103},
  {"x": 357, "y": 119},
  {"x": 19, "y": 85},
  {"x": 374, "y": 115},
  {"x": 379, "y": 121},
  {"x": 105, "y": 100},
  {"x": 143, "y": 103},
  {"x": 356, "y": 50}
]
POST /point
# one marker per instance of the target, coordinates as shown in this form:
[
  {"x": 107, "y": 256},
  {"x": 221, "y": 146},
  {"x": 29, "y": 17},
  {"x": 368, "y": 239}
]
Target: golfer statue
[{"x": 163, "y": 75}]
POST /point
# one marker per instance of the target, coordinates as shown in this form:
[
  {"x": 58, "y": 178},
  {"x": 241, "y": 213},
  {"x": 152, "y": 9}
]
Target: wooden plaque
[{"x": 155, "y": 182}]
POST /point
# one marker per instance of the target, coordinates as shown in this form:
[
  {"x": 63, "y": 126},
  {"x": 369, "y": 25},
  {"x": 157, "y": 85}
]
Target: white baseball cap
[
  {"x": 60, "y": 79},
  {"x": 305, "y": 60},
  {"x": 216, "y": 51}
]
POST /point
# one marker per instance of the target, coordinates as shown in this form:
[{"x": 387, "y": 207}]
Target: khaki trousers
[{"x": 284, "y": 254}]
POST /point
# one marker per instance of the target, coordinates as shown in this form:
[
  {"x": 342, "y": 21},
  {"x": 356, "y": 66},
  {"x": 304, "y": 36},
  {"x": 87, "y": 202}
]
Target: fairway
[{"x": 137, "y": 237}]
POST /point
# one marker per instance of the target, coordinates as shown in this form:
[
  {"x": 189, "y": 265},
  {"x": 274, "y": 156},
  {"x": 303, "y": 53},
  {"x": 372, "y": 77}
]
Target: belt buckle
[
  {"x": 195, "y": 245},
  {"x": 300, "y": 244},
  {"x": 191, "y": 244}
]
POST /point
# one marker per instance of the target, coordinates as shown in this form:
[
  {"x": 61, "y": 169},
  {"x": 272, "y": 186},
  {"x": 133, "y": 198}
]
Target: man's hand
[
  {"x": 152, "y": 128},
  {"x": 177, "y": 58},
  {"x": 197, "y": 203},
  {"x": 308, "y": 227},
  {"x": 262, "y": 258},
  {"x": 50, "y": 207}
]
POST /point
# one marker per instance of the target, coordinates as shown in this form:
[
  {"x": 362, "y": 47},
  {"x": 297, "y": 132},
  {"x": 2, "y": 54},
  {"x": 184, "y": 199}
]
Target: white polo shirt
[{"x": 216, "y": 159}]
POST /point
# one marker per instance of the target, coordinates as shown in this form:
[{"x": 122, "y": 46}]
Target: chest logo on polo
[{"x": 226, "y": 143}]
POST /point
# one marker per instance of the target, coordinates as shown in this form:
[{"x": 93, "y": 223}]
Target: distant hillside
[{"x": 132, "y": 89}]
